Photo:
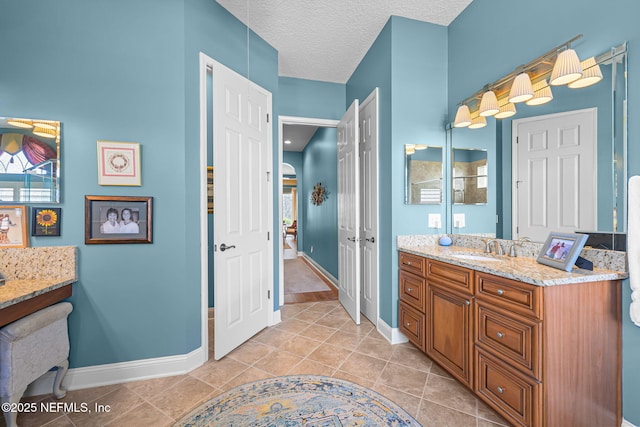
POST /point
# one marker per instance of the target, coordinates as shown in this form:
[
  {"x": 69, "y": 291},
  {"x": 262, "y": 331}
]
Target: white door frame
[
  {"x": 206, "y": 64},
  {"x": 282, "y": 121}
]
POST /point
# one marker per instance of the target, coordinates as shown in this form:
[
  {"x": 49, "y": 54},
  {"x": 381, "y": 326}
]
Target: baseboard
[
  {"x": 117, "y": 373},
  {"x": 626, "y": 423},
  {"x": 320, "y": 269},
  {"x": 393, "y": 335}
]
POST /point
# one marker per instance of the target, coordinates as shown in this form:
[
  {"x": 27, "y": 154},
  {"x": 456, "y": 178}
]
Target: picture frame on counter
[
  {"x": 13, "y": 227},
  {"x": 119, "y": 163},
  {"x": 45, "y": 222},
  {"x": 118, "y": 219},
  {"x": 561, "y": 250}
]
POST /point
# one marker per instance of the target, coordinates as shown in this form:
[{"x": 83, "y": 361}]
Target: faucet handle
[{"x": 512, "y": 250}]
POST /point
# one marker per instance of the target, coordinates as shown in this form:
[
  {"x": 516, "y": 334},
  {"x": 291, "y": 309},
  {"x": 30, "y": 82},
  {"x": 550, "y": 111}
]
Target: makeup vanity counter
[
  {"x": 539, "y": 345},
  {"x": 34, "y": 279}
]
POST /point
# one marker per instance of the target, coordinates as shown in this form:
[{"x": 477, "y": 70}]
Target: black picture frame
[
  {"x": 45, "y": 222},
  {"x": 138, "y": 230},
  {"x": 561, "y": 250}
]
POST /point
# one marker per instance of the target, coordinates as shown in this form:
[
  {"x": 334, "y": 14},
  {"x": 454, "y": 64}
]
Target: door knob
[
  {"x": 224, "y": 247},
  {"x": 351, "y": 239},
  {"x": 372, "y": 240}
]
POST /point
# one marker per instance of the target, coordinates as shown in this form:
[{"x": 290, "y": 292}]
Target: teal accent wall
[
  {"x": 320, "y": 223},
  {"x": 490, "y": 38},
  {"x": 310, "y": 98},
  {"x": 408, "y": 64}
]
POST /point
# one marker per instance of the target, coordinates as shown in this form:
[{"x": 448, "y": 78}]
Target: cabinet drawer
[
  {"x": 413, "y": 263},
  {"x": 412, "y": 324},
  {"x": 510, "y": 392},
  {"x": 450, "y": 275},
  {"x": 518, "y": 297},
  {"x": 413, "y": 290},
  {"x": 509, "y": 337}
]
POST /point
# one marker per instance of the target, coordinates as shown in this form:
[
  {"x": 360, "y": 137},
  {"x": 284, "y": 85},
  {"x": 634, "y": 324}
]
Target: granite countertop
[
  {"x": 524, "y": 269},
  {"x": 15, "y": 291}
]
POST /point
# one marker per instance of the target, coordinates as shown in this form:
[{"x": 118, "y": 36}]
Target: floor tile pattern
[{"x": 313, "y": 338}]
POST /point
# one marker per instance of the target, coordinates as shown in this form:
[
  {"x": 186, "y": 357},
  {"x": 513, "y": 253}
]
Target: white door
[
  {"x": 349, "y": 213},
  {"x": 242, "y": 153},
  {"x": 555, "y": 174},
  {"x": 369, "y": 206}
]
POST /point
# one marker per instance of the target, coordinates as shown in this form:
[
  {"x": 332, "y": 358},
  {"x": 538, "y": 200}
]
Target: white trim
[
  {"x": 626, "y": 423},
  {"x": 393, "y": 335},
  {"x": 282, "y": 121},
  {"x": 320, "y": 269},
  {"x": 117, "y": 373}
]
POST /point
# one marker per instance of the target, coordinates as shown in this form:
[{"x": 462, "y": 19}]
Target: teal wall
[
  {"x": 408, "y": 63},
  {"x": 311, "y": 99},
  {"x": 126, "y": 71},
  {"x": 320, "y": 223},
  {"x": 490, "y": 38}
]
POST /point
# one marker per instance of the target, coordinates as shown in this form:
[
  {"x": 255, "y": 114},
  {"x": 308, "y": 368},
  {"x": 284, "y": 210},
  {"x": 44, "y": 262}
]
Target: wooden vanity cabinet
[{"x": 541, "y": 356}]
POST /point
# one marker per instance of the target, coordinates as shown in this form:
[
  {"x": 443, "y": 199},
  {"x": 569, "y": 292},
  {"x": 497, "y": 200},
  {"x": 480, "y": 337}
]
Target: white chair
[{"x": 29, "y": 347}]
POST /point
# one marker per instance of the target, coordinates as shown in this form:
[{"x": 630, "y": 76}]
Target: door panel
[
  {"x": 241, "y": 223},
  {"x": 348, "y": 213},
  {"x": 555, "y": 172}
]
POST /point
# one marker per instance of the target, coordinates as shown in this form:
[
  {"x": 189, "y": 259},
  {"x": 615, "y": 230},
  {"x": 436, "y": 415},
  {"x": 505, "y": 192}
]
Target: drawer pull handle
[
  {"x": 499, "y": 334},
  {"x": 408, "y": 262},
  {"x": 500, "y": 292},
  {"x": 409, "y": 290},
  {"x": 500, "y": 390},
  {"x": 408, "y": 324},
  {"x": 467, "y": 302}
]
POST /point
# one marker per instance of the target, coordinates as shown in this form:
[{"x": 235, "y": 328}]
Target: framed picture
[
  {"x": 210, "y": 189},
  {"x": 45, "y": 221},
  {"x": 117, "y": 219},
  {"x": 561, "y": 250},
  {"x": 13, "y": 227},
  {"x": 119, "y": 163}
]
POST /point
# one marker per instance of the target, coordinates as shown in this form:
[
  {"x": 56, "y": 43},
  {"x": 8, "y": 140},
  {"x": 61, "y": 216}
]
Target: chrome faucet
[
  {"x": 498, "y": 248},
  {"x": 512, "y": 249}
]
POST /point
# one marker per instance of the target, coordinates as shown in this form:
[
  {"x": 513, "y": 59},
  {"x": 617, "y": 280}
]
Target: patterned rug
[{"x": 299, "y": 400}]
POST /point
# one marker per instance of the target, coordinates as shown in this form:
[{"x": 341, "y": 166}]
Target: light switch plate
[
  {"x": 434, "y": 220},
  {"x": 458, "y": 220}
]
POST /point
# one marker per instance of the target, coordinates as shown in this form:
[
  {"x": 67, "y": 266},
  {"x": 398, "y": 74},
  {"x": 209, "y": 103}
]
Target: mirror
[
  {"x": 29, "y": 160},
  {"x": 423, "y": 174},
  {"x": 609, "y": 98},
  {"x": 470, "y": 176}
]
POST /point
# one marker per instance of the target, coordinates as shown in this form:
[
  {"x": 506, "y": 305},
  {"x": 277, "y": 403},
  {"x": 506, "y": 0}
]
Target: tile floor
[{"x": 313, "y": 338}]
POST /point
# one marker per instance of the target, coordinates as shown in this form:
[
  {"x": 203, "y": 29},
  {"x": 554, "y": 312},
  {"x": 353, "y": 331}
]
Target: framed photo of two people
[{"x": 118, "y": 219}]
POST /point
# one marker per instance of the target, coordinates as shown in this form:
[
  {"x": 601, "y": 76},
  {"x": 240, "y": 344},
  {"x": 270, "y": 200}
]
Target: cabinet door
[{"x": 449, "y": 332}]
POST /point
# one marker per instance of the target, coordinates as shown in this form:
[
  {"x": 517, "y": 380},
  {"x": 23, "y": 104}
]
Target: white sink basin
[{"x": 475, "y": 257}]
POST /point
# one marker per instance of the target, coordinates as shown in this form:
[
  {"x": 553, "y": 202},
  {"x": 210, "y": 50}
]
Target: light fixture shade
[
  {"x": 489, "y": 104},
  {"x": 566, "y": 69},
  {"x": 591, "y": 74},
  {"x": 506, "y": 110},
  {"x": 541, "y": 94},
  {"x": 409, "y": 150},
  {"x": 20, "y": 123},
  {"x": 521, "y": 89},
  {"x": 421, "y": 146},
  {"x": 463, "y": 117},
  {"x": 478, "y": 122},
  {"x": 45, "y": 133}
]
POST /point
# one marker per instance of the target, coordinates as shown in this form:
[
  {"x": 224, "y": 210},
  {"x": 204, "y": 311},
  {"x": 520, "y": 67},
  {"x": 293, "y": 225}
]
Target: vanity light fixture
[
  {"x": 541, "y": 94},
  {"x": 591, "y": 74},
  {"x": 20, "y": 123},
  {"x": 506, "y": 110},
  {"x": 408, "y": 149},
  {"x": 489, "y": 104},
  {"x": 521, "y": 89},
  {"x": 478, "y": 122},
  {"x": 45, "y": 133},
  {"x": 566, "y": 69},
  {"x": 421, "y": 146},
  {"x": 463, "y": 117}
]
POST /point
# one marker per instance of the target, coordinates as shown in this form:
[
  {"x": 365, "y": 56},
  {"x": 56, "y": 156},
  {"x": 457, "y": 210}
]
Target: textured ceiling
[{"x": 325, "y": 40}]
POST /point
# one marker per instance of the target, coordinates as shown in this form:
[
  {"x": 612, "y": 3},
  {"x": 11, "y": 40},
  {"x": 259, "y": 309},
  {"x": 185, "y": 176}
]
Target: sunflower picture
[{"x": 46, "y": 222}]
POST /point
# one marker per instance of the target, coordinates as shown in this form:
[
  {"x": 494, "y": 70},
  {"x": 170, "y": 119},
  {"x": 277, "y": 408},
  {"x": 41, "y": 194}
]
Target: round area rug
[{"x": 299, "y": 400}]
